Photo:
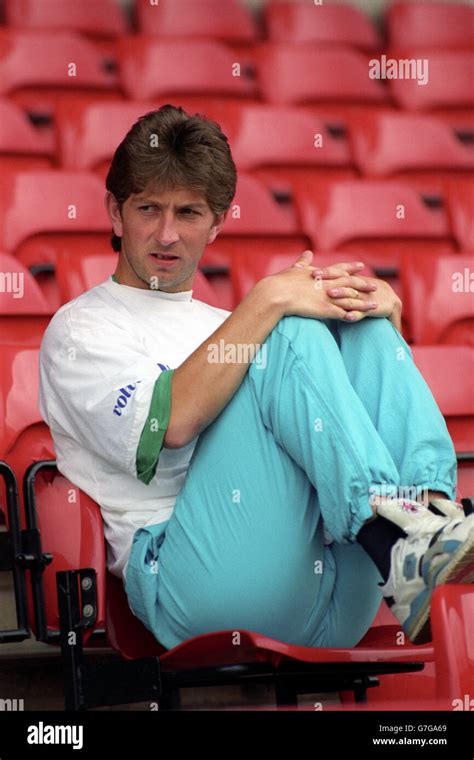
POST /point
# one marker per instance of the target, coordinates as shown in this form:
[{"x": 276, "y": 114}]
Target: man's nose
[{"x": 166, "y": 231}]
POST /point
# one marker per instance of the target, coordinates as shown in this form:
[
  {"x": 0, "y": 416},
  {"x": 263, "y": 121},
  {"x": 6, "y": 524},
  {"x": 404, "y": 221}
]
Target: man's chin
[{"x": 167, "y": 283}]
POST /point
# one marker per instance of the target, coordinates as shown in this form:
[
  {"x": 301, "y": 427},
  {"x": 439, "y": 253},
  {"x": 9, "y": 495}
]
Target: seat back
[
  {"x": 24, "y": 436},
  {"x": 325, "y": 24},
  {"x": 460, "y": 204},
  {"x": 448, "y": 82},
  {"x": 24, "y": 311},
  {"x": 452, "y": 622},
  {"x": 439, "y": 365},
  {"x": 71, "y": 530},
  {"x": 102, "y": 19},
  {"x": 231, "y": 21},
  {"x": 376, "y": 220},
  {"x": 286, "y": 75},
  {"x": 20, "y": 140},
  {"x": 36, "y": 207},
  {"x": 282, "y": 144},
  {"x": 438, "y": 298},
  {"x": 390, "y": 143},
  {"x": 155, "y": 68},
  {"x": 34, "y": 67},
  {"x": 433, "y": 25}
]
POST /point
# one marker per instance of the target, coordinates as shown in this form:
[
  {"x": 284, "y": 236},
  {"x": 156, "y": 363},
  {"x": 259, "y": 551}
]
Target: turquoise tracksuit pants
[{"x": 333, "y": 413}]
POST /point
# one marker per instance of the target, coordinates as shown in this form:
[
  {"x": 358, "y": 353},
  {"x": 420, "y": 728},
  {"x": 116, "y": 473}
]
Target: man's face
[{"x": 164, "y": 235}]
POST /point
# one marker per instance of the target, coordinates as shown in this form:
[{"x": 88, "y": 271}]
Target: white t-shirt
[{"x": 100, "y": 360}]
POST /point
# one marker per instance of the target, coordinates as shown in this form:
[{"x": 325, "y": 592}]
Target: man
[{"x": 247, "y": 494}]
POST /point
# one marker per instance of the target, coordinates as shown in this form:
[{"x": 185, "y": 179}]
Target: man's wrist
[
  {"x": 396, "y": 315},
  {"x": 270, "y": 297}
]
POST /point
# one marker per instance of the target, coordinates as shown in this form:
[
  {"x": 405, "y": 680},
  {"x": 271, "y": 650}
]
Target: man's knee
[
  {"x": 372, "y": 331},
  {"x": 296, "y": 328}
]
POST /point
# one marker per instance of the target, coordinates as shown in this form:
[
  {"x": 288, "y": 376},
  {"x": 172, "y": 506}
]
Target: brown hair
[{"x": 169, "y": 149}]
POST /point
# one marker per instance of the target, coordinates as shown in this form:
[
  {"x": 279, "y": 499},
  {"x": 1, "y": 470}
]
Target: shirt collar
[{"x": 184, "y": 295}]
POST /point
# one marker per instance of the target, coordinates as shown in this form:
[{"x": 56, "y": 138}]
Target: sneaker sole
[{"x": 460, "y": 569}]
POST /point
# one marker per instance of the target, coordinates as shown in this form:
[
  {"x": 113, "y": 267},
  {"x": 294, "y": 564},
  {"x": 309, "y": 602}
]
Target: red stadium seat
[
  {"x": 24, "y": 437},
  {"x": 99, "y": 18},
  {"x": 255, "y": 219},
  {"x": 24, "y": 311},
  {"x": 377, "y": 220},
  {"x": 302, "y": 74},
  {"x": 46, "y": 210},
  {"x": 452, "y": 624},
  {"x": 439, "y": 298},
  {"x": 231, "y": 21},
  {"x": 80, "y": 544},
  {"x": 460, "y": 202},
  {"x": 22, "y": 145},
  {"x": 89, "y": 132},
  {"x": 35, "y": 67},
  {"x": 39, "y": 209},
  {"x": 255, "y": 212},
  {"x": 341, "y": 24},
  {"x": 417, "y": 148},
  {"x": 449, "y": 82},
  {"x": 432, "y": 25},
  {"x": 151, "y": 68},
  {"x": 439, "y": 365},
  {"x": 283, "y": 144}
]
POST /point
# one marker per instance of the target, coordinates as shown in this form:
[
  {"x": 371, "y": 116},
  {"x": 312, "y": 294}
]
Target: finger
[
  {"x": 343, "y": 293},
  {"x": 362, "y": 284},
  {"x": 356, "y": 304},
  {"x": 304, "y": 260},
  {"x": 339, "y": 270},
  {"x": 354, "y": 316}
]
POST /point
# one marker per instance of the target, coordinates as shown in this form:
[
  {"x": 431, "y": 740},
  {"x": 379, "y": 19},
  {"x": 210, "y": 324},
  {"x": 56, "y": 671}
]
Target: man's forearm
[{"x": 201, "y": 387}]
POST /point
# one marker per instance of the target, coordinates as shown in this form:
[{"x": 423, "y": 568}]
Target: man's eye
[
  {"x": 143, "y": 208},
  {"x": 188, "y": 211}
]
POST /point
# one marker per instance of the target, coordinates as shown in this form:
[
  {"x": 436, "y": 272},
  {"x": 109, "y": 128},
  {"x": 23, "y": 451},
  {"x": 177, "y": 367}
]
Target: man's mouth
[{"x": 163, "y": 256}]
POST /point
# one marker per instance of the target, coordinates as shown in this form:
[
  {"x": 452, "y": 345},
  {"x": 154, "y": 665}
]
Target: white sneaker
[
  {"x": 436, "y": 550},
  {"x": 448, "y": 508}
]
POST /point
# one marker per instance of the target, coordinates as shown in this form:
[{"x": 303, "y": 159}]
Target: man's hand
[
  {"x": 370, "y": 289},
  {"x": 334, "y": 292},
  {"x": 293, "y": 291}
]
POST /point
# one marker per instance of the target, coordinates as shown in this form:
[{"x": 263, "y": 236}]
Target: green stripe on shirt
[{"x": 155, "y": 427}]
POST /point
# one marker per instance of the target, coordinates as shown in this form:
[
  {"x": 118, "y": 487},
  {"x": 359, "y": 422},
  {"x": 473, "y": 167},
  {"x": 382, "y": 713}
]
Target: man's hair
[{"x": 168, "y": 149}]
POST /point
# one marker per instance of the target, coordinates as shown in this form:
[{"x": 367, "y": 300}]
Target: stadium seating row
[
  {"x": 141, "y": 67},
  {"x": 437, "y": 293},
  {"x": 407, "y": 25},
  {"x": 276, "y": 143},
  {"x": 379, "y": 221},
  {"x": 381, "y": 218}
]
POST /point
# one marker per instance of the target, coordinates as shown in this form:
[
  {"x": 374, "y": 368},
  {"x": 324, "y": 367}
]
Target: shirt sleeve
[{"x": 102, "y": 389}]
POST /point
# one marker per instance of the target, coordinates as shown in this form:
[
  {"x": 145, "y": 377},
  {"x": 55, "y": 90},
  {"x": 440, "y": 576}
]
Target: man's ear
[
  {"x": 113, "y": 210},
  {"x": 219, "y": 220}
]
